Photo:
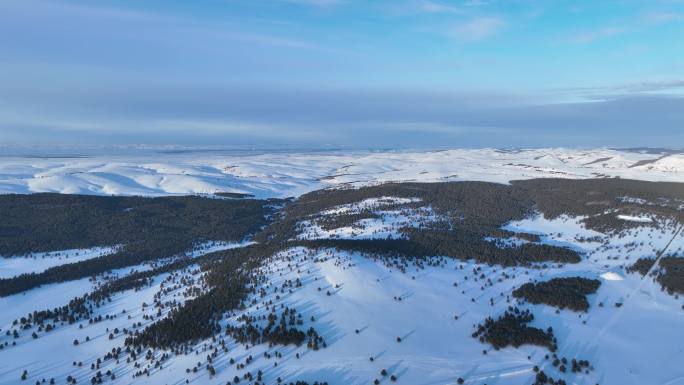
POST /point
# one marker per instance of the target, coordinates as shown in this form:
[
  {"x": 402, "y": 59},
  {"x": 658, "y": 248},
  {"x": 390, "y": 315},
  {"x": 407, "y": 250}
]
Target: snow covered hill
[
  {"x": 368, "y": 315},
  {"x": 413, "y": 324},
  {"x": 283, "y": 174}
]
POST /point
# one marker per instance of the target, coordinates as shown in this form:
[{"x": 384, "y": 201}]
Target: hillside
[
  {"x": 285, "y": 174},
  {"x": 578, "y": 281}
]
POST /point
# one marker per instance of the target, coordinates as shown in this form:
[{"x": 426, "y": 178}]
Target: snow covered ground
[
  {"x": 126, "y": 308},
  {"x": 358, "y": 304},
  {"x": 390, "y": 217},
  {"x": 632, "y": 218},
  {"x": 372, "y": 204},
  {"x": 48, "y": 296},
  {"x": 283, "y": 174},
  {"x": 38, "y": 262},
  {"x": 361, "y": 305}
]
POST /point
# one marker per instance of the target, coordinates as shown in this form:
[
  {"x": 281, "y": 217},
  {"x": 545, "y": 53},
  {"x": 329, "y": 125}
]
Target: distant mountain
[{"x": 291, "y": 173}]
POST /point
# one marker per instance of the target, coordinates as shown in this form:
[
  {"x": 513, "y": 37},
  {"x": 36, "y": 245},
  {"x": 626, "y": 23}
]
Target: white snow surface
[
  {"x": 632, "y": 218},
  {"x": 391, "y": 218},
  {"x": 636, "y": 343},
  {"x": 368, "y": 204},
  {"x": 639, "y": 342},
  {"x": 47, "y": 296},
  {"x": 39, "y": 262},
  {"x": 611, "y": 276},
  {"x": 283, "y": 174}
]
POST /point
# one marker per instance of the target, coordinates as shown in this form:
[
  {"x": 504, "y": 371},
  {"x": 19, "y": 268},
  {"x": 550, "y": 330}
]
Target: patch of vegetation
[
  {"x": 473, "y": 211},
  {"x": 670, "y": 272},
  {"x": 234, "y": 195},
  {"x": 280, "y": 330},
  {"x": 594, "y": 198},
  {"x": 230, "y": 280},
  {"x": 642, "y": 266},
  {"x": 130, "y": 255},
  {"x": 81, "y": 308},
  {"x": 564, "y": 293},
  {"x": 307, "y": 383},
  {"x": 427, "y": 243},
  {"x": 331, "y": 222},
  {"x": 502, "y": 233},
  {"x": 511, "y": 329},
  {"x": 47, "y": 222},
  {"x": 542, "y": 378},
  {"x": 149, "y": 229},
  {"x": 474, "y": 207}
]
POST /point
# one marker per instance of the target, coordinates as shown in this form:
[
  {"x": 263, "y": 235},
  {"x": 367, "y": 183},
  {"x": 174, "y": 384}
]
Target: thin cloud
[
  {"x": 435, "y": 7},
  {"x": 652, "y": 86},
  {"x": 628, "y": 89},
  {"x": 661, "y": 18},
  {"x": 315, "y": 3},
  {"x": 164, "y": 27},
  {"x": 478, "y": 29},
  {"x": 646, "y": 20},
  {"x": 390, "y": 117},
  {"x": 598, "y": 34},
  {"x": 477, "y": 3}
]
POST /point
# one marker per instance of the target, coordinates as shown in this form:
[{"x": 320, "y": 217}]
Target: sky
[{"x": 343, "y": 73}]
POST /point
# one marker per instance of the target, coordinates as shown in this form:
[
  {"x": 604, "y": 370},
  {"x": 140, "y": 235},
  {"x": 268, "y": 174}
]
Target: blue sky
[{"x": 373, "y": 73}]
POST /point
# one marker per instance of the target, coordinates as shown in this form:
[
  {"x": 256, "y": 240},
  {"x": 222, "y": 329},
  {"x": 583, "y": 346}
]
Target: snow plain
[{"x": 284, "y": 174}]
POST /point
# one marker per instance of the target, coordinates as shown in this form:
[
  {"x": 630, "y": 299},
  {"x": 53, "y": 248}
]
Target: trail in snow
[{"x": 643, "y": 279}]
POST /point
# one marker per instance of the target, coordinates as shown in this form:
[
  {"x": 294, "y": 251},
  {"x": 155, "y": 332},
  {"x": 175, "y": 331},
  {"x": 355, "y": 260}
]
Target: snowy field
[
  {"x": 284, "y": 174},
  {"x": 47, "y": 296},
  {"x": 417, "y": 324},
  {"x": 361, "y": 305},
  {"x": 38, "y": 262},
  {"x": 390, "y": 216}
]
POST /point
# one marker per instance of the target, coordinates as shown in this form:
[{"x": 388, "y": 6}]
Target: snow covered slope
[
  {"x": 381, "y": 317},
  {"x": 414, "y": 321},
  {"x": 284, "y": 174},
  {"x": 37, "y": 262}
]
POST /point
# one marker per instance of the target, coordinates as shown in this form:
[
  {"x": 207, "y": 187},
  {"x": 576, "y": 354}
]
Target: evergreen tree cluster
[
  {"x": 279, "y": 330},
  {"x": 427, "y": 243},
  {"x": 641, "y": 266},
  {"x": 331, "y": 222},
  {"x": 563, "y": 293},
  {"x": 671, "y": 276},
  {"x": 600, "y": 199},
  {"x": 148, "y": 228},
  {"x": 670, "y": 272},
  {"x": 542, "y": 378},
  {"x": 511, "y": 329},
  {"x": 199, "y": 317}
]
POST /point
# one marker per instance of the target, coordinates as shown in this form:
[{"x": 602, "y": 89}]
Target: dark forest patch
[
  {"x": 599, "y": 160},
  {"x": 153, "y": 228},
  {"x": 48, "y": 222},
  {"x": 511, "y": 329},
  {"x": 555, "y": 197},
  {"x": 564, "y": 293},
  {"x": 234, "y": 195},
  {"x": 429, "y": 243},
  {"x": 671, "y": 275},
  {"x": 670, "y": 272},
  {"x": 641, "y": 266},
  {"x": 149, "y": 229},
  {"x": 331, "y": 222}
]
